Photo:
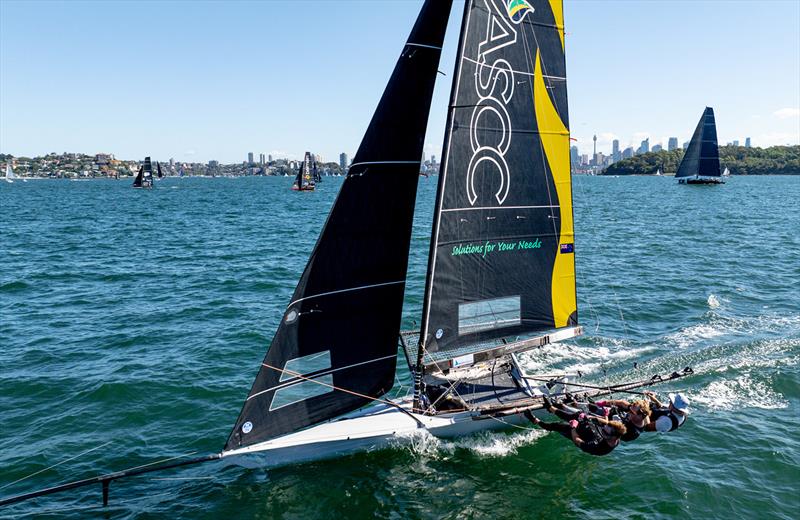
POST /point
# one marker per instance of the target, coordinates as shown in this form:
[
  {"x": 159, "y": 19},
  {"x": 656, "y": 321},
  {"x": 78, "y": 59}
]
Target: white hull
[{"x": 373, "y": 428}]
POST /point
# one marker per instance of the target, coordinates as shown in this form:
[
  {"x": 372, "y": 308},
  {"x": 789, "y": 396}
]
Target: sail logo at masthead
[
  {"x": 494, "y": 85},
  {"x": 517, "y": 9}
]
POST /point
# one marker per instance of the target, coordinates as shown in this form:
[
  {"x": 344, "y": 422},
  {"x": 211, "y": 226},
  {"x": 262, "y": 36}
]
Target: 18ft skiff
[{"x": 501, "y": 272}]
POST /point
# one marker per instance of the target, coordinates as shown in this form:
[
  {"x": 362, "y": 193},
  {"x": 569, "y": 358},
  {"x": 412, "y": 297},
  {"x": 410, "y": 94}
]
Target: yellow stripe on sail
[
  {"x": 558, "y": 14},
  {"x": 555, "y": 142}
]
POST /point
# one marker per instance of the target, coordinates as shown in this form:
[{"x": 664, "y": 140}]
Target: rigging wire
[{"x": 55, "y": 465}]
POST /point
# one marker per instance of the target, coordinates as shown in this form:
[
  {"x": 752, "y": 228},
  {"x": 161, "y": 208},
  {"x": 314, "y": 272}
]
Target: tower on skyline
[
  {"x": 249, "y": 157},
  {"x": 747, "y": 142},
  {"x": 672, "y": 144}
]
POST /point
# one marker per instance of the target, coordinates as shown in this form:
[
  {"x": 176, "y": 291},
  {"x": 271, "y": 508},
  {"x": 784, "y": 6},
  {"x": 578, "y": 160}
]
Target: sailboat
[
  {"x": 726, "y": 172},
  {"x": 144, "y": 179},
  {"x": 306, "y": 179},
  {"x": 501, "y": 270},
  {"x": 658, "y": 172},
  {"x": 10, "y": 176},
  {"x": 700, "y": 164}
]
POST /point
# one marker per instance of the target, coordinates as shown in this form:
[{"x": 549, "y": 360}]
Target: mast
[
  {"x": 702, "y": 155},
  {"x": 335, "y": 349},
  {"x": 502, "y": 250}
]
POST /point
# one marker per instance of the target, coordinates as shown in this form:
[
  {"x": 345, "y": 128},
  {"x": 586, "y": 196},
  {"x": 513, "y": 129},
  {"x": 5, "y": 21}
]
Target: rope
[
  {"x": 351, "y": 392},
  {"x": 57, "y": 464}
]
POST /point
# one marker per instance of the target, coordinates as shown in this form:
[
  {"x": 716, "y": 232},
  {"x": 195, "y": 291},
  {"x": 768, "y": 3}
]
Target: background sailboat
[
  {"x": 9, "y": 175},
  {"x": 306, "y": 179},
  {"x": 700, "y": 164},
  {"x": 144, "y": 179}
]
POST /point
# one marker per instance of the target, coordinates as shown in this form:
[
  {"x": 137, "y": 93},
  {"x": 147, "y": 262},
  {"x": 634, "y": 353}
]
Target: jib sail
[{"x": 336, "y": 346}]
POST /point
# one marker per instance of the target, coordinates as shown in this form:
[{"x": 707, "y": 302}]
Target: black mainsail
[
  {"x": 340, "y": 329},
  {"x": 702, "y": 155},
  {"x": 502, "y": 247}
]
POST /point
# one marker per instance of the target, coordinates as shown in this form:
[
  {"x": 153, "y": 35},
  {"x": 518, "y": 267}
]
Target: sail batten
[
  {"x": 502, "y": 250},
  {"x": 335, "y": 349}
]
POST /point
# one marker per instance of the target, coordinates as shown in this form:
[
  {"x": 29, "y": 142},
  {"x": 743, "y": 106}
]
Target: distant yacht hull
[{"x": 701, "y": 180}]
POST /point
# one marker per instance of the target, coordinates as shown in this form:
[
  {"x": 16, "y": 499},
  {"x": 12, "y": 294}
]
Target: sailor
[
  {"x": 635, "y": 415},
  {"x": 592, "y": 435},
  {"x": 667, "y": 418}
]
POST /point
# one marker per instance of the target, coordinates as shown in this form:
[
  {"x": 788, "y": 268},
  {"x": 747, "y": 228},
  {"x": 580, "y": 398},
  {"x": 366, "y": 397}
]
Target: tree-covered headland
[{"x": 776, "y": 160}]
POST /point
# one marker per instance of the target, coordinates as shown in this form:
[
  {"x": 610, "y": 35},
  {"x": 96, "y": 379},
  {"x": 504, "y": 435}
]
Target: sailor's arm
[
  {"x": 619, "y": 403},
  {"x": 574, "y": 434},
  {"x": 652, "y": 397}
]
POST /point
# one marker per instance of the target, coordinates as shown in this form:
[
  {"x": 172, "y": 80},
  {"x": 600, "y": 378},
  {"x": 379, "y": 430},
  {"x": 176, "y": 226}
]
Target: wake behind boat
[
  {"x": 501, "y": 267},
  {"x": 700, "y": 164}
]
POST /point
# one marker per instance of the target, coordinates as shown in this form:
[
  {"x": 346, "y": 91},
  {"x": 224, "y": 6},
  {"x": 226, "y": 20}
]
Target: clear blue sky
[{"x": 213, "y": 80}]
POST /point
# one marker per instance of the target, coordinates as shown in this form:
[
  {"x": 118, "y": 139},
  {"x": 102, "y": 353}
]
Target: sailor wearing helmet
[{"x": 667, "y": 418}]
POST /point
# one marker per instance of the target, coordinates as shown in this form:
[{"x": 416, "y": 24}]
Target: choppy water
[{"x": 135, "y": 321}]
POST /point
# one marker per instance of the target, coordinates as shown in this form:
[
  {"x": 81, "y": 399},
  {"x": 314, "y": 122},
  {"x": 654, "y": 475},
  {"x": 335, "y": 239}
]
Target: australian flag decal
[{"x": 567, "y": 248}]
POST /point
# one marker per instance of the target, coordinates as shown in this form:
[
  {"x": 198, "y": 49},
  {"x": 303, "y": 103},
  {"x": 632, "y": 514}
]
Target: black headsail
[
  {"x": 502, "y": 248},
  {"x": 137, "y": 181},
  {"x": 341, "y": 326},
  {"x": 702, "y": 156}
]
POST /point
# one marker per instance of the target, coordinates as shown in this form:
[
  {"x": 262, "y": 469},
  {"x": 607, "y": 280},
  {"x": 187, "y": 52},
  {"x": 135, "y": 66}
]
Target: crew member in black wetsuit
[
  {"x": 593, "y": 435},
  {"x": 667, "y": 418},
  {"x": 635, "y": 415}
]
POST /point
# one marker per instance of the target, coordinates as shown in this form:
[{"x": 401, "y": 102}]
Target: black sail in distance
[
  {"x": 702, "y": 155},
  {"x": 502, "y": 246},
  {"x": 137, "y": 182},
  {"x": 342, "y": 324},
  {"x": 148, "y": 169}
]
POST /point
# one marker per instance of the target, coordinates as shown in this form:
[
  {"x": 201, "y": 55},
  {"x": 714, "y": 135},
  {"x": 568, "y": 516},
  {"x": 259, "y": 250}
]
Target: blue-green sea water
[{"x": 133, "y": 322}]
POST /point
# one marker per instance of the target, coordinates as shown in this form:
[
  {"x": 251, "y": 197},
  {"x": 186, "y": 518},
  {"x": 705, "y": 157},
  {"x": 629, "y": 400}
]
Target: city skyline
[{"x": 198, "y": 98}]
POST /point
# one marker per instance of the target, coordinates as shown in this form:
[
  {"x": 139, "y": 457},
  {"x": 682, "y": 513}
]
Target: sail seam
[
  {"x": 384, "y": 162},
  {"x": 345, "y": 290},
  {"x": 476, "y": 62},
  {"x": 500, "y": 207},
  {"x": 300, "y": 378},
  {"x": 423, "y": 45}
]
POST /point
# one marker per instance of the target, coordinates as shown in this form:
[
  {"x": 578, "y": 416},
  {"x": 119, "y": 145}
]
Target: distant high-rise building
[
  {"x": 672, "y": 144},
  {"x": 736, "y": 142},
  {"x": 594, "y": 151},
  {"x": 627, "y": 153},
  {"x": 342, "y": 160},
  {"x": 433, "y": 159},
  {"x": 250, "y": 158},
  {"x": 269, "y": 158},
  {"x": 644, "y": 147},
  {"x": 686, "y": 145},
  {"x": 574, "y": 158},
  {"x": 747, "y": 142},
  {"x": 615, "y": 148},
  {"x": 261, "y": 159},
  {"x": 584, "y": 160},
  {"x": 657, "y": 148}
]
